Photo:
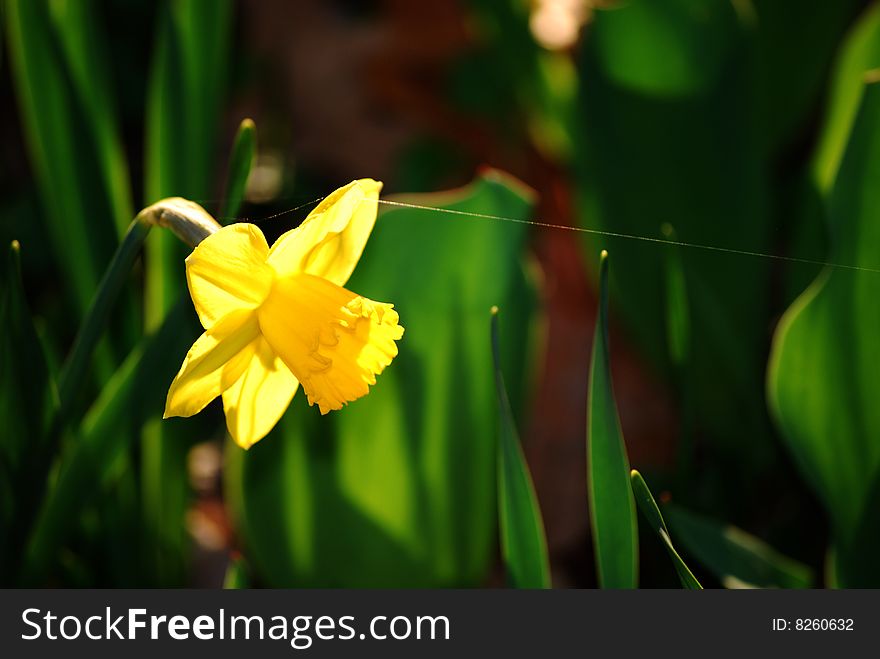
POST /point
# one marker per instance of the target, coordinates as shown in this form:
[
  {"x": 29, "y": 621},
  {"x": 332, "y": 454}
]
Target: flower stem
[{"x": 73, "y": 372}]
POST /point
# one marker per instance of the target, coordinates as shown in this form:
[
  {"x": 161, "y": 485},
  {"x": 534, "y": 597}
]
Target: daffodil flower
[{"x": 277, "y": 318}]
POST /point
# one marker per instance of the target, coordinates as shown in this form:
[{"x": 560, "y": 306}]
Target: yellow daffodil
[{"x": 277, "y": 318}]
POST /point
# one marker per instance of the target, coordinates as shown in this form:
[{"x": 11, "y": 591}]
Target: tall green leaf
[
  {"x": 48, "y": 114},
  {"x": 28, "y": 402},
  {"x": 68, "y": 120},
  {"x": 85, "y": 53},
  {"x": 735, "y": 557},
  {"x": 240, "y": 162},
  {"x": 128, "y": 400},
  {"x": 860, "y": 52},
  {"x": 523, "y": 542},
  {"x": 648, "y": 506},
  {"x": 612, "y": 509},
  {"x": 825, "y": 362},
  {"x": 184, "y": 97},
  {"x": 405, "y": 475}
]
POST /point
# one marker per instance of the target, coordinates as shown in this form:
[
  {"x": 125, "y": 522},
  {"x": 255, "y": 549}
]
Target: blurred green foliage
[{"x": 746, "y": 125}]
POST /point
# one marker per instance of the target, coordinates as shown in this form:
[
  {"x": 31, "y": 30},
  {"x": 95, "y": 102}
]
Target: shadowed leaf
[
  {"x": 523, "y": 543},
  {"x": 612, "y": 509}
]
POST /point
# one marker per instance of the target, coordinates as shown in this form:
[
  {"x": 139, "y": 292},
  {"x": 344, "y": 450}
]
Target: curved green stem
[{"x": 73, "y": 372}]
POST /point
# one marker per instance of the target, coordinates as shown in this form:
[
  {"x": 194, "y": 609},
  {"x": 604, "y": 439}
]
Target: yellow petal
[
  {"x": 333, "y": 341},
  {"x": 331, "y": 239},
  {"x": 256, "y": 401},
  {"x": 228, "y": 271},
  {"x": 215, "y": 361}
]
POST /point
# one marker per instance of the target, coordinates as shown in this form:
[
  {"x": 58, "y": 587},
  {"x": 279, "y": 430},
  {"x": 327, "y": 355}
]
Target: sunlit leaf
[
  {"x": 825, "y": 362},
  {"x": 405, "y": 475},
  {"x": 859, "y": 54}
]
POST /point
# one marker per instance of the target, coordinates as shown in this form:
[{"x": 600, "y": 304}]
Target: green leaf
[
  {"x": 736, "y": 558},
  {"x": 184, "y": 98},
  {"x": 236, "y": 574},
  {"x": 824, "y": 368},
  {"x": 612, "y": 510},
  {"x": 133, "y": 396},
  {"x": 28, "y": 402},
  {"x": 860, "y": 53},
  {"x": 664, "y": 47},
  {"x": 76, "y": 23},
  {"x": 72, "y": 376},
  {"x": 523, "y": 542},
  {"x": 240, "y": 163},
  {"x": 65, "y": 125},
  {"x": 406, "y": 475},
  {"x": 28, "y": 397},
  {"x": 50, "y": 122},
  {"x": 648, "y": 506},
  {"x": 185, "y": 93}
]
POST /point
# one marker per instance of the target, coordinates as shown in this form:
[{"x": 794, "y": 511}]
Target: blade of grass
[
  {"x": 240, "y": 163},
  {"x": 648, "y": 506},
  {"x": 612, "y": 509},
  {"x": 523, "y": 542}
]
